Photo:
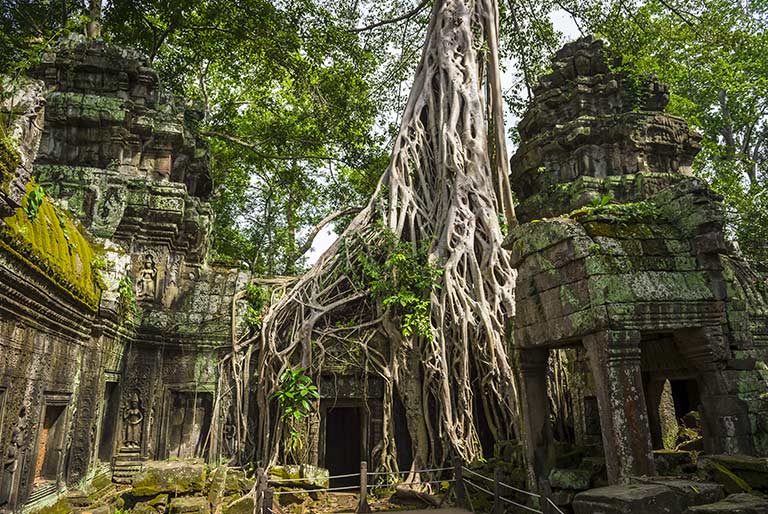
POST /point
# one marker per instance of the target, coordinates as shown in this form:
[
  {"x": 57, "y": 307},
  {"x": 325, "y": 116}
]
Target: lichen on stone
[{"x": 52, "y": 242}]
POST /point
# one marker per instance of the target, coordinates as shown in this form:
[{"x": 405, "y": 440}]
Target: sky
[{"x": 562, "y": 22}]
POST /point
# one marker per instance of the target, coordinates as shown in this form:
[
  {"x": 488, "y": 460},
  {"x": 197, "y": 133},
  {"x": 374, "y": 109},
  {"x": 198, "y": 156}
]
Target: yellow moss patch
[
  {"x": 54, "y": 243},
  {"x": 9, "y": 159}
]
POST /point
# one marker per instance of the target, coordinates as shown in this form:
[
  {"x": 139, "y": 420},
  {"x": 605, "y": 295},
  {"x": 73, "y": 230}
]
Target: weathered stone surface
[
  {"x": 689, "y": 492},
  {"x": 624, "y": 256},
  {"x": 627, "y": 499},
  {"x": 752, "y": 470},
  {"x": 734, "y": 504},
  {"x": 173, "y": 477},
  {"x": 190, "y": 505},
  {"x": 573, "y": 479},
  {"x": 304, "y": 476}
]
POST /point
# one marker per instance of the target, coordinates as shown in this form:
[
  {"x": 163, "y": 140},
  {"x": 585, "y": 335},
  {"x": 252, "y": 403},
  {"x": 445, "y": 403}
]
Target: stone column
[
  {"x": 534, "y": 405},
  {"x": 725, "y": 424},
  {"x": 614, "y": 357}
]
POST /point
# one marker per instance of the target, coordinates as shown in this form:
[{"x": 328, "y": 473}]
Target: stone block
[
  {"x": 674, "y": 462},
  {"x": 627, "y": 499},
  {"x": 173, "y": 477},
  {"x": 190, "y": 505},
  {"x": 572, "y": 479},
  {"x": 689, "y": 492},
  {"x": 752, "y": 470},
  {"x": 734, "y": 504}
]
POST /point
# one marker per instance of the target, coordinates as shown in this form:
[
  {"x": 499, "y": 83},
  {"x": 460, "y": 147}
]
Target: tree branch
[
  {"x": 416, "y": 10},
  {"x": 291, "y": 260},
  {"x": 255, "y": 149}
]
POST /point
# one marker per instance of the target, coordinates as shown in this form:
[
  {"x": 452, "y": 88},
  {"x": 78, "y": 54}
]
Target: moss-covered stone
[
  {"x": 173, "y": 477},
  {"x": 189, "y": 505},
  {"x": 52, "y": 242}
]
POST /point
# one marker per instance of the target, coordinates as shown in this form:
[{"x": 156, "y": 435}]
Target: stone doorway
[
  {"x": 109, "y": 421},
  {"x": 51, "y": 439},
  {"x": 188, "y": 422},
  {"x": 343, "y": 443}
]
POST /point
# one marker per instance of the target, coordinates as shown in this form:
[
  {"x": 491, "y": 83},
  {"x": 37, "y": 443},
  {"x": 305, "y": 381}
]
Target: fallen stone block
[
  {"x": 173, "y": 477},
  {"x": 734, "y": 504},
  {"x": 572, "y": 479},
  {"x": 190, "y": 505},
  {"x": 628, "y": 499}
]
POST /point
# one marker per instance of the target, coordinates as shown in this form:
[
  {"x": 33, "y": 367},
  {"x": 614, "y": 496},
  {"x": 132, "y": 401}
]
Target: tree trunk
[{"x": 444, "y": 190}]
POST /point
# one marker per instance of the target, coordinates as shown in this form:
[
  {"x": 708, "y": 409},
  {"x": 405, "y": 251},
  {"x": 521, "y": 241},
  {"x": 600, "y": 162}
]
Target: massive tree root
[{"x": 446, "y": 191}]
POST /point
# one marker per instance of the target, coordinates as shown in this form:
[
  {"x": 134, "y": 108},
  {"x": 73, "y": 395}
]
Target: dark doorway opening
[
  {"x": 685, "y": 394},
  {"x": 51, "y": 446},
  {"x": 109, "y": 421},
  {"x": 343, "y": 444},
  {"x": 189, "y": 422},
  {"x": 403, "y": 440}
]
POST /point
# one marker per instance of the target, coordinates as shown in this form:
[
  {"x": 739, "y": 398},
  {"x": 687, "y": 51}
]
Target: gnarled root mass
[{"x": 446, "y": 191}]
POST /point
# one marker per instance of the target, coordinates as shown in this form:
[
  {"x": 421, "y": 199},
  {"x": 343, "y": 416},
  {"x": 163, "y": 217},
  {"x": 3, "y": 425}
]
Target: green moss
[
  {"x": 53, "y": 243},
  {"x": 10, "y": 159}
]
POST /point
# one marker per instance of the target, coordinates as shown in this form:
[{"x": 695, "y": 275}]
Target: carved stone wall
[
  {"x": 622, "y": 256},
  {"x": 108, "y": 309}
]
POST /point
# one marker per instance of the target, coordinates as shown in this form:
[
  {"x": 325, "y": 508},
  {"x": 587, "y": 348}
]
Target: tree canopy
[{"x": 303, "y": 97}]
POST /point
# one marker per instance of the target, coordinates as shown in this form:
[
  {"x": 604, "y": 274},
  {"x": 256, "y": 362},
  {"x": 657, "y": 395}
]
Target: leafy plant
[
  {"x": 295, "y": 393},
  {"x": 127, "y": 296},
  {"x": 403, "y": 282},
  {"x": 258, "y": 299},
  {"x": 295, "y": 396},
  {"x": 35, "y": 199}
]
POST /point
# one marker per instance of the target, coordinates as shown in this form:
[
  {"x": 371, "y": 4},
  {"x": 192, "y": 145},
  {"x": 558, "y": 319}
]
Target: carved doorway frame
[
  {"x": 52, "y": 399},
  {"x": 188, "y": 388}
]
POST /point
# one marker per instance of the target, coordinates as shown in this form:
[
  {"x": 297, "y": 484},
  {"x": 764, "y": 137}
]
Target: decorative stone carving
[
  {"x": 146, "y": 286},
  {"x": 133, "y": 418},
  {"x": 642, "y": 280}
]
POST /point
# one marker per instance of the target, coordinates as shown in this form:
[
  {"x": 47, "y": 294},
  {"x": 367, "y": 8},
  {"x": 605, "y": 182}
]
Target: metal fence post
[{"x": 363, "y": 507}]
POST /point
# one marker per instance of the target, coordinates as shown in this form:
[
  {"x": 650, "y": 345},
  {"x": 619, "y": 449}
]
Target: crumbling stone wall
[
  {"x": 105, "y": 293},
  {"x": 622, "y": 258}
]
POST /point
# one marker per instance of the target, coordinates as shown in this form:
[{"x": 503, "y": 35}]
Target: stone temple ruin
[
  {"x": 625, "y": 270},
  {"x": 85, "y": 381},
  {"x": 114, "y": 320}
]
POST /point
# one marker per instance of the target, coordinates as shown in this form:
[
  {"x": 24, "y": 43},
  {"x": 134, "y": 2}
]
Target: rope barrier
[
  {"x": 520, "y": 505},
  {"x": 511, "y": 502},
  {"x": 478, "y": 487},
  {"x": 300, "y": 479},
  {"x": 555, "y": 506},
  {"x": 326, "y": 490},
  {"x": 478, "y": 474}
]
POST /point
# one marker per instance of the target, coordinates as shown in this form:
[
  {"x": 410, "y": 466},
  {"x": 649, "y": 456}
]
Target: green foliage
[
  {"x": 10, "y": 159},
  {"x": 34, "y": 201},
  {"x": 295, "y": 394},
  {"x": 714, "y": 56},
  {"x": 127, "y": 296},
  {"x": 403, "y": 282},
  {"x": 258, "y": 300},
  {"x": 621, "y": 213}
]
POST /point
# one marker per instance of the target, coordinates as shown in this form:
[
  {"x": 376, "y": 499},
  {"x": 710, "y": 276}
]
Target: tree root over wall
[{"x": 445, "y": 190}]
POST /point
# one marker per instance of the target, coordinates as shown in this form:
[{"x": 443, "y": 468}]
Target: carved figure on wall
[
  {"x": 134, "y": 419},
  {"x": 147, "y": 282},
  {"x": 230, "y": 438},
  {"x": 10, "y": 462}
]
